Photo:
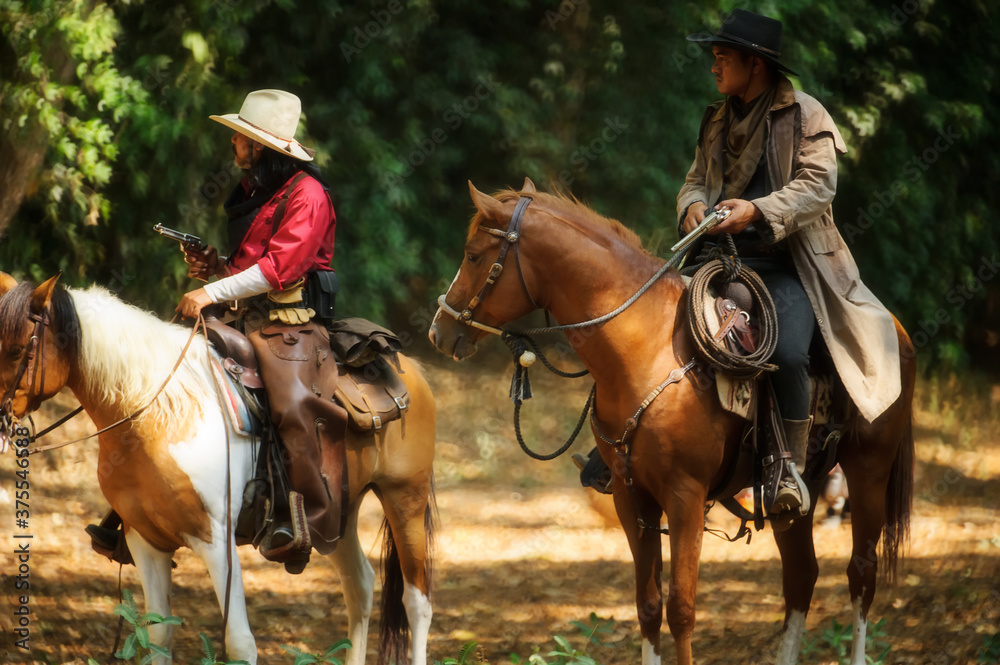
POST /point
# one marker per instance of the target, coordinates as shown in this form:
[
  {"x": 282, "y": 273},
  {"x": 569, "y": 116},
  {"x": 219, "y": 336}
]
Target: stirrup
[
  {"x": 294, "y": 551},
  {"x": 110, "y": 543},
  {"x": 791, "y": 478}
]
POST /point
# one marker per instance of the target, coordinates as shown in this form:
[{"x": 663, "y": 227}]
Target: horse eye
[
  {"x": 14, "y": 351},
  {"x": 473, "y": 259}
]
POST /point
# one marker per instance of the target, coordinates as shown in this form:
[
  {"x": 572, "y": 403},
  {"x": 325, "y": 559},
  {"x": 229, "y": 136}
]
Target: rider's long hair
[{"x": 273, "y": 169}]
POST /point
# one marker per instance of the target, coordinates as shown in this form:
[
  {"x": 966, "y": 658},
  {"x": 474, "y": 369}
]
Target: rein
[
  {"x": 518, "y": 341},
  {"x": 37, "y": 342}
]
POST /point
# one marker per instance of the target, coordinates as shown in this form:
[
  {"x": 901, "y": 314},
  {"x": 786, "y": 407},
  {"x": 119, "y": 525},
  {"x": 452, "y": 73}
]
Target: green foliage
[
  {"x": 407, "y": 101},
  {"x": 566, "y": 653},
  {"x": 837, "y": 639},
  {"x": 210, "y": 657},
  {"x": 989, "y": 652},
  {"x": 466, "y": 654},
  {"x": 328, "y": 656},
  {"x": 137, "y": 646}
]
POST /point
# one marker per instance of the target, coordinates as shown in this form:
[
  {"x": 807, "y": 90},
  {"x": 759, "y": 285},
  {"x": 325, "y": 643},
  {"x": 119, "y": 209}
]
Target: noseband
[{"x": 509, "y": 238}]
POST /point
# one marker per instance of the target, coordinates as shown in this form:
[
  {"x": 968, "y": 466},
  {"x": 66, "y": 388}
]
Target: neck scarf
[{"x": 745, "y": 138}]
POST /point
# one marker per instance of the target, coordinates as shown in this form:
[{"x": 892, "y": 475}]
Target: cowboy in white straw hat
[{"x": 281, "y": 238}]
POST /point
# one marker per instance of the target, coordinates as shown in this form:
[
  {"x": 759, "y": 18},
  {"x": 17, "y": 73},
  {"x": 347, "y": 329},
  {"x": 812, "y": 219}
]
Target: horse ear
[
  {"x": 528, "y": 186},
  {"x": 485, "y": 203},
  {"x": 42, "y": 297},
  {"x": 6, "y": 283}
]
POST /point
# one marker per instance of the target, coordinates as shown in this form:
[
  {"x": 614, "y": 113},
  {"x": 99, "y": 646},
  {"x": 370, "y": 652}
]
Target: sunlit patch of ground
[{"x": 521, "y": 551}]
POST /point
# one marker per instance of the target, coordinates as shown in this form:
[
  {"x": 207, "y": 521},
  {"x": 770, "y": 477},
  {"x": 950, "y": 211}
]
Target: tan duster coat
[{"x": 801, "y": 152}]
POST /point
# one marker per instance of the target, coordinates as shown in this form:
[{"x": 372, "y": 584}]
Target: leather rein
[
  {"x": 519, "y": 341},
  {"x": 27, "y": 365}
]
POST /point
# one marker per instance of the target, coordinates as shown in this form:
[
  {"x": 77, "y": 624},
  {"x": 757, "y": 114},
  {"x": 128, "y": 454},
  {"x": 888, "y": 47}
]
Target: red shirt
[{"x": 302, "y": 243}]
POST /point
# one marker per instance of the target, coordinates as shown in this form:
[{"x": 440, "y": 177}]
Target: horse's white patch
[
  {"x": 860, "y": 632},
  {"x": 649, "y": 655},
  {"x": 439, "y": 310},
  {"x": 791, "y": 639},
  {"x": 128, "y": 369},
  {"x": 419, "y": 612},
  {"x": 203, "y": 459}
]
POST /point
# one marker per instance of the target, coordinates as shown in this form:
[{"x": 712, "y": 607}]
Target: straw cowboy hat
[
  {"x": 270, "y": 117},
  {"x": 750, "y": 32}
]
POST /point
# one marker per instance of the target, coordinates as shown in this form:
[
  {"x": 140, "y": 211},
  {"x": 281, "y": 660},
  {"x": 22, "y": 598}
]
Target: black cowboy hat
[{"x": 753, "y": 33}]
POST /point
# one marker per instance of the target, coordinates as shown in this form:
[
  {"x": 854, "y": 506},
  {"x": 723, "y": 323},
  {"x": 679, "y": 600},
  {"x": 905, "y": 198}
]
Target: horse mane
[
  {"x": 14, "y": 309},
  {"x": 126, "y": 354},
  {"x": 570, "y": 209}
]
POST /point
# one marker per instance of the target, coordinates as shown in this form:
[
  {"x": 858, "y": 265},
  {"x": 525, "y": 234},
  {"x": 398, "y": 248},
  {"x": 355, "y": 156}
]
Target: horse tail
[
  {"x": 394, "y": 628},
  {"x": 899, "y": 489}
]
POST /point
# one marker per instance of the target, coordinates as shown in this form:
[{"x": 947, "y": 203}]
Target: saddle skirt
[{"x": 728, "y": 321}]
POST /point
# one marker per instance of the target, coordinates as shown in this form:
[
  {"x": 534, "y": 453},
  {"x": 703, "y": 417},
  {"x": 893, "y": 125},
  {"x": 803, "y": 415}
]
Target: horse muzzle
[{"x": 451, "y": 337}]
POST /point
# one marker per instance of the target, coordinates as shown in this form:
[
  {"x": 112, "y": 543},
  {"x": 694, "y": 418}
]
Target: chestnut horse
[
  {"x": 165, "y": 472},
  {"x": 578, "y": 265}
]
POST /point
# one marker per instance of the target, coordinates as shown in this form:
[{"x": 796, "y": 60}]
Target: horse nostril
[{"x": 432, "y": 335}]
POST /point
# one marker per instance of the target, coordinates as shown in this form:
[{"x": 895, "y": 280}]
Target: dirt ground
[{"x": 522, "y": 551}]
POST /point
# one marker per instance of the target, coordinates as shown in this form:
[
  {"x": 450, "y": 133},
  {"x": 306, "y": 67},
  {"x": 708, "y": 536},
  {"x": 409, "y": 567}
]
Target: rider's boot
[
  {"x": 314, "y": 431},
  {"x": 792, "y": 494},
  {"x": 593, "y": 471},
  {"x": 107, "y": 538}
]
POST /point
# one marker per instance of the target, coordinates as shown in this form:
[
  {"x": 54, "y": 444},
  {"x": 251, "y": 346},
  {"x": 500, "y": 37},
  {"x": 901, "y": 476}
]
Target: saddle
[
  {"x": 731, "y": 320},
  {"x": 308, "y": 396}
]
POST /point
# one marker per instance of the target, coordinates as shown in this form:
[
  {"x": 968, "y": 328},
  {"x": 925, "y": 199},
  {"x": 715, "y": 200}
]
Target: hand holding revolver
[{"x": 203, "y": 263}]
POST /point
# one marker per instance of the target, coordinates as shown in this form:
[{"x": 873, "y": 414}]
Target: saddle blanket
[
  {"x": 233, "y": 404},
  {"x": 739, "y": 396}
]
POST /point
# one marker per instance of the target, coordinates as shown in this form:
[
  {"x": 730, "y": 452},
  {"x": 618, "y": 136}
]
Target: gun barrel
[
  {"x": 711, "y": 220},
  {"x": 186, "y": 238}
]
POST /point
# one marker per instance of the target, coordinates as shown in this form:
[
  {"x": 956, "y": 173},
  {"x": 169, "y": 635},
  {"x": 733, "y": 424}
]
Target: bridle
[
  {"x": 26, "y": 366},
  {"x": 509, "y": 238}
]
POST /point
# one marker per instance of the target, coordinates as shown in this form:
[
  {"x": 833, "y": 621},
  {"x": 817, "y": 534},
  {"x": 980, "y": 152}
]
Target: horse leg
[
  {"x": 358, "y": 581},
  {"x": 647, "y": 557},
  {"x": 153, "y": 567},
  {"x": 866, "y": 528},
  {"x": 799, "y": 572},
  {"x": 405, "y": 510},
  {"x": 686, "y": 517},
  {"x": 240, "y": 643}
]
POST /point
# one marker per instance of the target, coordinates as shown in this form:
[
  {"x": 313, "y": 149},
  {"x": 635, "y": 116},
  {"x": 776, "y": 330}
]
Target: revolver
[
  {"x": 711, "y": 220},
  {"x": 188, "y": 240}
]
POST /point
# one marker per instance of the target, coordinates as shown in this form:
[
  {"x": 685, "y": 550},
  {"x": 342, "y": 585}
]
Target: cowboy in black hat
[{"x": 768, "y": 153}]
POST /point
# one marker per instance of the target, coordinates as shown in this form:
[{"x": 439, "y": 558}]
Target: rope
[
  {"x": 715, "y": 353},
  {"x": 545, "y": 458}
]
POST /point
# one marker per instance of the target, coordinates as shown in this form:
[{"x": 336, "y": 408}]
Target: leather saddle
[{"x": 310, "y": 397}]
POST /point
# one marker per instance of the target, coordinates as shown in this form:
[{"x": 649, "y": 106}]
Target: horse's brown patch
[{"x": 144, "y": 484}]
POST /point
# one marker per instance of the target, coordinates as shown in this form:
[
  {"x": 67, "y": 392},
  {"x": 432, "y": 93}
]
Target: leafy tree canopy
[{"x": 106, "y": 132}]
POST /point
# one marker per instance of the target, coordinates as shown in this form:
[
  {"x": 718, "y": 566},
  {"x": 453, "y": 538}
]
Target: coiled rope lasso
[{"x": 715, "y": 352}]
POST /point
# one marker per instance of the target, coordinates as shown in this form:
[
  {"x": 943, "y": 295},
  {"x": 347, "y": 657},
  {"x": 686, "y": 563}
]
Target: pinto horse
[
  {"x": 578, "y": 265},
  {"x": 165, "y": 471}
]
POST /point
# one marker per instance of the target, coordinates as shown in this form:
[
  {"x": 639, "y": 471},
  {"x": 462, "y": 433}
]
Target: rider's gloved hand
[{"x": 204, "y": 263}]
